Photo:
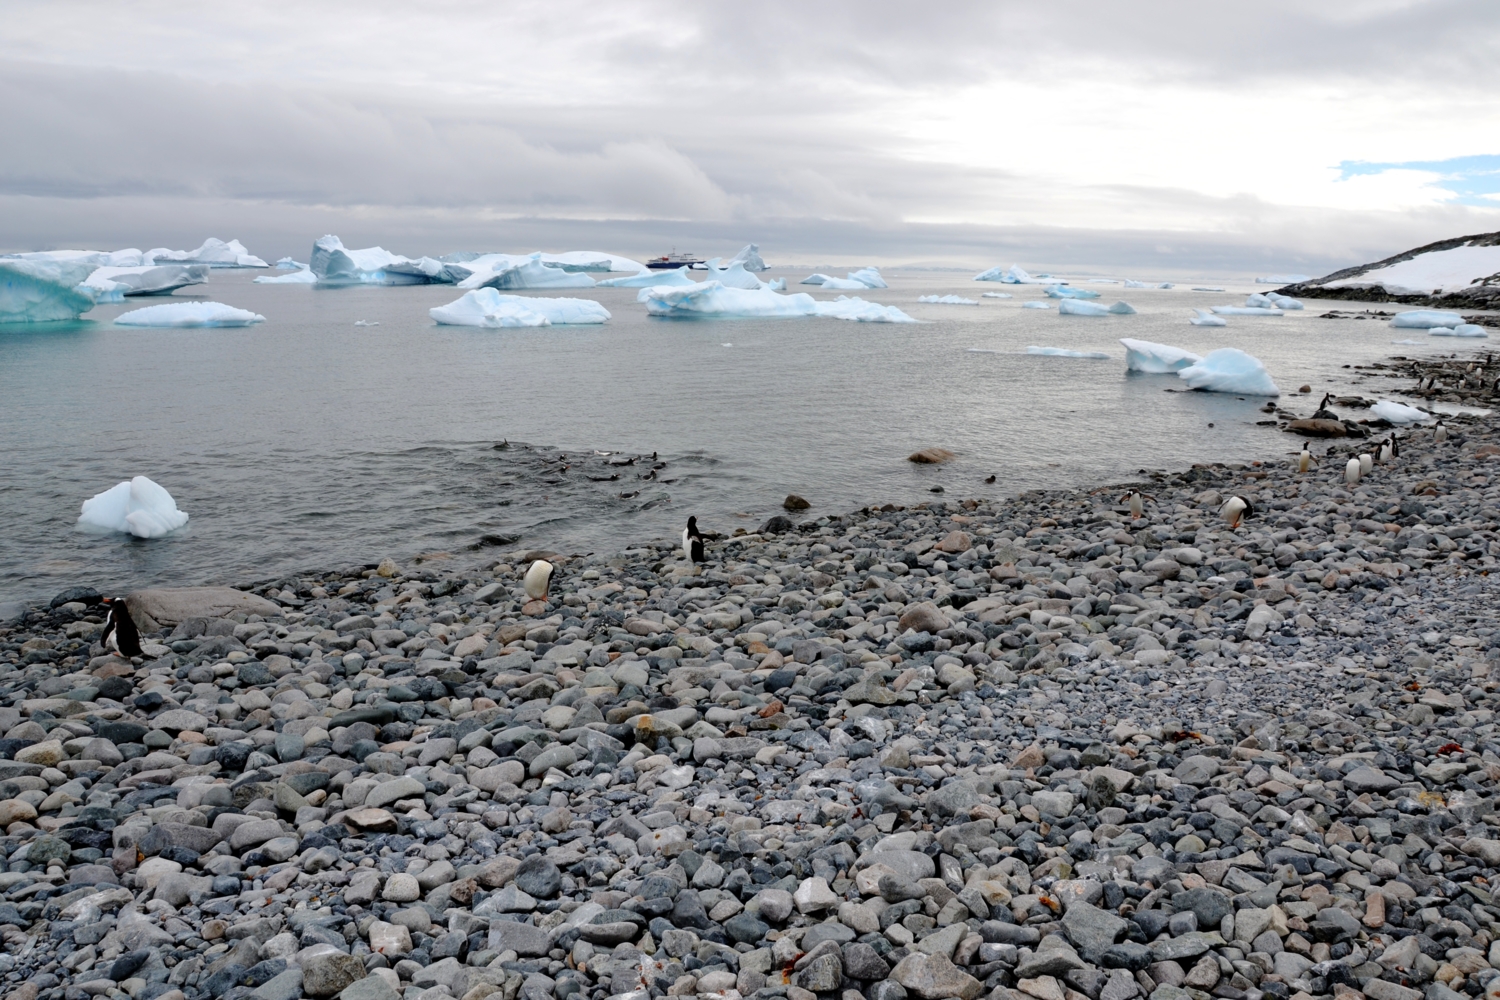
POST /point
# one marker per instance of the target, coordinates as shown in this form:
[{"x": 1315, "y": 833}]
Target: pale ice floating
[
  {"x": 1038, "y": 304},
  {"x": 1131, "y": 283},
  {"x": 1156, "y": 359},
  {"x": 750, "y": 258},
  {"x": 1063, "y": 352},
  {"x": 137, "y": 506},
  {"x": 1064, "y": 292},
  {"x": 650, "y": 279},
  {"x": 530, "y": 272},
  {"x": 335, "y": 264},
  {"x": 863, "y": 279},
  {"x": 288, "y": 264},
  {"x": 996, "y": 295},
  {"x": 1425, "y": 319},
  {"x": 114, "y": 283},
  {"x": 43, "y": 291},
  {"x": 488, "y": 308},
  {"x": 189, "y": 314},
  {"x": 304, "y": 276},
  {"x": 1398, "y": 413},
  {"x": 1075, "y": 307},
  {"x": 947, "y": 300},
  {"x": 1247, "y": 311},
  {"x": 1461, "y": 330},
  {"x": 1015, "y": 275},
  {"x": 1272, "y": 300},
  {"x": 734, "y": 275},
  {"x": 1206, "y": 317},
  {"x": 1230, "y": 369},
  {"x": 213, "y": 252},
  {"x": 710, "y": 299}
]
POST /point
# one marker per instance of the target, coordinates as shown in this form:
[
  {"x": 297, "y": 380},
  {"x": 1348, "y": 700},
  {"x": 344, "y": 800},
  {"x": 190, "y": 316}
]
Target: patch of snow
[
  {"x": 1074, "y": 307},
  {"x": 1206, "y": 317},
  {"x": 948, "y": 300},
  {"x": 214, "y": 253},
  {"x": 1230, "y": 369},
  {"x": 137, "y": 506},
  {"x": 1425, "y": 319},
  {"x": 1063, "y": 352},
  {"x": 1064, "y": 292},
  {"x": 750, "y": 258},
  {"x": 189, "y": 314},
  {"x": 1156, "y": 359},
  {"x": 710, "y": 299},
  {"x": 43, "y": 291},
  {"x": 1435, "y": 272},
  {"x": 488, "y": 308},
  {"x": 1398, "y": 413}
]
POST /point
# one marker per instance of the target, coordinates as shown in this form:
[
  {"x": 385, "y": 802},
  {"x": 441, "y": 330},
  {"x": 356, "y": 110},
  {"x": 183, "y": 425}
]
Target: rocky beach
[{"x": 1032, "y": 749}]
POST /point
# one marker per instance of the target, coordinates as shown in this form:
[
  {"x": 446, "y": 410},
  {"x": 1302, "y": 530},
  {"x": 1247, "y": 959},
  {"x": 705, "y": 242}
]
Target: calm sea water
[{"x": 309, "y": 442}]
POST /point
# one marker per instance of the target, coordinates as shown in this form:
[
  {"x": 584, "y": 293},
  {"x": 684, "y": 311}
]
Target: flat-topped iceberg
[
  {"x": 506, "y": 272},
  {"x": 1156, "y": 359},
  {"x": 947, "y": 300},
  {"x": 189, "y": 314},
  {"x": 1206, "y": 317},
  {"x": 711, "y": 299},
  {"x": 43, "y": 291},
  {"x": 1015, "y": 275},
  {"x": 112, "y": 283},
  {"x": 1425, "y": 319},
  {"x": 750, "y": 258},
  {"x": 303, "y": 276},
  {"x": 1229, "y": 369},
  {"x": 1064, "y": 292},
  {"x": 488, "y": 308},
  {"x": 1076, "y": 307},
  {"x": 1063, "y": 352},
  {"x": 1398, "y": 413},
  {"x": 649, "y": 279},
  {"x": 571, "y": 260},
  {"x": 213, "y": 252},
  {"x": 137, "y": 506},
  {"x": 335, "y": 264}
]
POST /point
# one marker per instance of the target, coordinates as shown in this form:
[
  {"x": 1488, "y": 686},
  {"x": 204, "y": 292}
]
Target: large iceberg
[
  {"x": 734, "y": 275},
  {"x": 1063, "y": 352},
  {"x": 1230, "y": 369},
  {"x": 1156, "y": 359},
  {"x": 214, "y": 253},
  {"x": 1206, "y": 317},
  {"x": 1398, "y": 413},
  {"x": 487, "y": 307},
  {"x": 189, "y": 314},
  {"x": 650, "y": 279},
  {"x": 1425, "y": 319},
  {"x": 1014, "y": 275},
  {"x": 42, "y": 291},
  {"x": 162, "y": 279},
  {"x": 335, "y": 264},
  {"x": 1075, "y": 307},
  {"x": 525, "y": 272},
  {"x": 947, "y": 300},
  {"x": 137, "y": 506},
  {"x": 750, "y": 258},
  {"x": 1064, "y": 292},
  {"x": 304, "y": 276},
  {"x": 711, "y": 299}
]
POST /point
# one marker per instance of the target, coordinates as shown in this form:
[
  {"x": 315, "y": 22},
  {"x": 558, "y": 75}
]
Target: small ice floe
[
  {"x": 948, "y": 300},
  {"x": 1015, "y": 275},
  {"x": 1036, "y": 305},
  {"x": 366, "y": 322},
  {"x": 1461, "y": 330},
  {"x": 1156, "y": 359},
  {"x": 1425, "y": 319},
  {"x": 1409, "y": 343},
  {"x": 1063, "y": 352},
  {"x": 1398, "y": 413},
  {"x": 1129, "y": 283},
  {"x": 1247, "y": 311},
  {"x": 137, "y": 506},
  {"x": 1064, "y": 292},
  {"x": 1112, "y": 281},
  {"x": 1209, "y": 288},
  {"x": 648, "y": 279},
  {"x": 726, "y": 345},
  {"x": 302, "y": 277},
  {"x": 710, "y": 299},
  {"x": 1206, "y": 317},
  {"x": 1074, "y": 307},
  {"x": 861, "y": 280},
  {"x": 1276, "y": 301},
  {"x": 189, "y": 314},
  {"x": 1230, "y": 369},
  {"x": 288, "y": 264},
  {"x": 488, "y": 308},
  {"x": 996, "y": 295}
]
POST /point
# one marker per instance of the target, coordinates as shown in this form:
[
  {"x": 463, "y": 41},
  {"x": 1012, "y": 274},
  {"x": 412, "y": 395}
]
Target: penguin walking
[
  {"x": 692, "y": 542},
  {"x": 1440, "y": 433},
  {"x": 1351, "y": 471},
  {"x": 1137, "y": 504},
  {"x": 1366, "y": 463},
  {"x": 1235, "y": 510},
  {"x": 538, "y": 580},
  {"x": 120, "y": 632},
  {"x": 1304, "y": 460}
]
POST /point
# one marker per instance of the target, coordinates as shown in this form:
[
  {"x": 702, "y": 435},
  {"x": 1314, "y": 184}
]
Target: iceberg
[
  {"x": 1014, "y": 275},
  {"x": 302, "y": 277},
  {"x": 750, "y": 258},
  {"x": 1131, "y": 283},
  {"x": 42, "y": 291},
  {"x": 1282, "y": 279},
  {"x": 503, "y": 271},
  {"x": 214, "y": 253},
  {"x": 588, "y": 260},
  {"x": 1074, "y": 307},
  {"x": 487, "y": 307},
  {"x": 996, "y": 295},
  {"x": 287, "y": 264},
  {"x": 734, "y": 275},
  {"x": 948, "y": 300},
  {"x": 869, "y": 276},
  {"x": 145, "y": 280},
  {"x": 1286, "y": 302},
  {"x": 777, "y": 284},
  {"x": 863, "y": 279},
  {"x": 335, "y": 264},
  {"x": 1064, "y": 292},
  {"x": 1209, "y": 288},
  {"x": 1156, "y": 359},
  {"x": 1038, "y": 304},
  {"x": 1461, "y": 330},
  {"x": 189, "y": 314},
  {"x": 1206, "y": 317},
  {"x": 1063, "y": 352},
  {"x": 1229, "y": 369},
  {"x": 137, "y": 506},
  {"x": 1409, "y": 343},
  {"x": 711, "y": 299},
  {"x": 1425, "y": 319},
  {"x": 1398, "y": 413},
  {"x": 1247, "y": 311},
  {"x": 649, "y": 279}
]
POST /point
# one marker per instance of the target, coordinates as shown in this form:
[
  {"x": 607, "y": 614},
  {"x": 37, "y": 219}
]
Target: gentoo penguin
[
  {"x": 1137, "y": 505},
  {"x": 1440, "y": 433},
  {"x": 1395, "y": 446},
  {"x": 120, "y": 632},
  {"x": 1235, "y": 509},
  {"x": 1304, "y": 460},
  {"x": 692, "y": 541},
  {"x": 1366, "y": 463},
  {"x": 1352, "y": 471},
  {"x": 538, "y": 580}
]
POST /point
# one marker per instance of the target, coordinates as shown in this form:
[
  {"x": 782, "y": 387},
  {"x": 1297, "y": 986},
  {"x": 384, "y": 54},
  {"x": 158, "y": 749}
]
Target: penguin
[
  {"x": 692, "y": 541},
  {"x": 1236, "y": 509},
  {"x": 538, "y": 580},
  {"x": 1323, "y": 412},
  {"x": 1366, "y": 463},
  {"x": 1395, "y": 446},
  {"x": 989, "y": 479},
  {"x": 1440, "y": 433},
  {"x": 1304, "y": 460},
  {"x": 1351, "y": 471},
  {"x": 1137, "y": 505},
  {"x": 120, "y": 632}
]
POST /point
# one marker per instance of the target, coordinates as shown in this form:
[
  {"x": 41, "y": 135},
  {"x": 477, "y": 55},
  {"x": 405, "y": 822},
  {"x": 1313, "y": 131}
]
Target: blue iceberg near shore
[
  {"x": 1230, "y": 369},
  {"x": 1156, "y": 359},
  {"x": 137, "y": 506},
  {"x": 1425, "y": 319}
]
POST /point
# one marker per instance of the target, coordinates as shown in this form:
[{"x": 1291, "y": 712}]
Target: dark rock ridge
[{"x": 1484, "y": 295}]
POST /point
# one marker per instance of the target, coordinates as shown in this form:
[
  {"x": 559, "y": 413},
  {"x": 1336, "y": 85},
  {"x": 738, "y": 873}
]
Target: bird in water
[
  {"x": 1352, "y": 471},
  {"x": 989, "y": 479},
  {"x": 538, "y": 580},
  {"x": 1440, "y": 433},
  {"x": 1235, "y": 510},
  {"x": 692, "y": 541},
  {"x": 1137, "y": 504},
  {"x": 120, "y": 632}
]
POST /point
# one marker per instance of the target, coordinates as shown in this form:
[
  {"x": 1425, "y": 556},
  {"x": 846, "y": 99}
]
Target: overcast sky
[{"x": 1210, "y": 136}]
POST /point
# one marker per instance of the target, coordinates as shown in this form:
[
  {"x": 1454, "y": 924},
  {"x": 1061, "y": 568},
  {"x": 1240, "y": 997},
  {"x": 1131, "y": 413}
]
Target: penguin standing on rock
[
  {"x": 692, "y": 542},
  {"x": 1235, "y": 510},
  {"x": 1440, "y": 433},
  {"x": 538, "y": 580},
  {"x": 120, "y": 632}
]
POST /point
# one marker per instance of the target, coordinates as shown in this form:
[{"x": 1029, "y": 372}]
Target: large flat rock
[{"x": 160, "y": 606}]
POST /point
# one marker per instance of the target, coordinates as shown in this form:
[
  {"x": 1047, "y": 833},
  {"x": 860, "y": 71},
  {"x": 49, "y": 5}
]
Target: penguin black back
[{"x": 119, "y": 622}]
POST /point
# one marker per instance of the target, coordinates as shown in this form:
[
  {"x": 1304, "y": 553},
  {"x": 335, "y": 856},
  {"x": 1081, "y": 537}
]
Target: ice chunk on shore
[
  {"x": 189, "y": 314},
  {"x": 487, "y": 307},
  {"x": 1075, "y": 307},
  {"x": 1064, "y": 292},
  {"x": 947, "y": 300},
  {"x": 302, "y": 277},
  {"x": 733, "y": 275},
  {"x": 1461, "y": 330},
  {"x": 750, "y": 258},
  {"x": 43, "y": 291},
  {"x": 711, "y": 299},
  {"x": 1398, "y": 413},
  {"x": 1015, "y": 275},
  {"x": 1230, "y": 369},
  {"x": 1037, "y": 304},
  {"x": 996, "y": 295},
  {"x": 1063, "y": 352},
  {"x": 161, "y": 279},
  {"x": 137, "y": 506},
  {"x": 213, "y": 252},
  {"x": 1156, "y": 359},
  {"x": 1206, "y": 317},
  {"x": 529, "y": 272},
  {"x": 650, "y": 279},
  {"x": 1425, "y": 319},
  {"x": 1282, "y": 279}
]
